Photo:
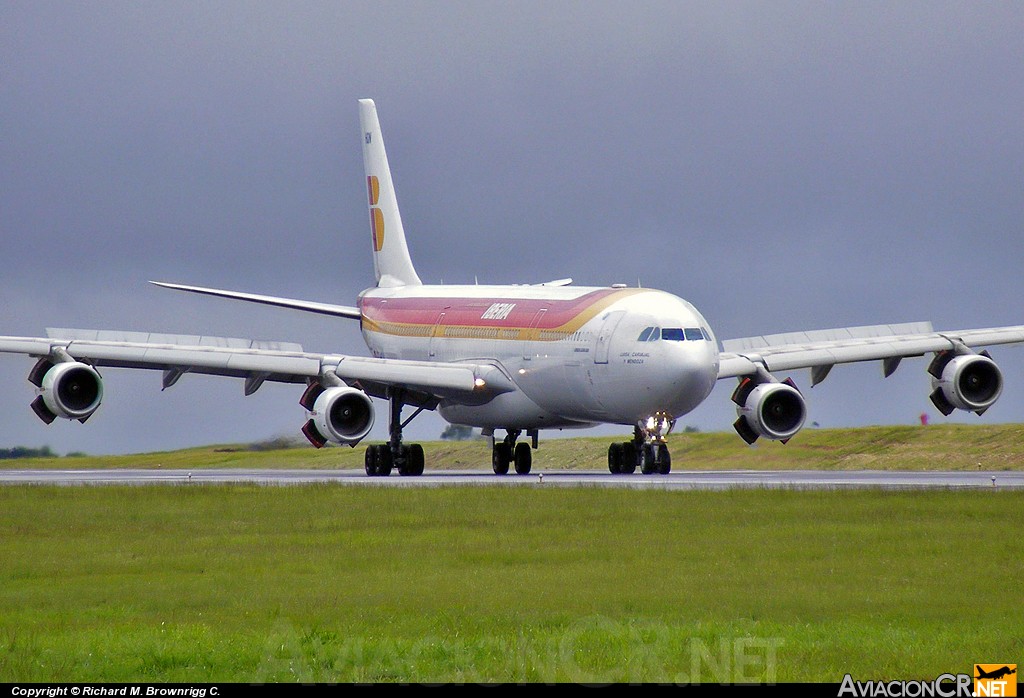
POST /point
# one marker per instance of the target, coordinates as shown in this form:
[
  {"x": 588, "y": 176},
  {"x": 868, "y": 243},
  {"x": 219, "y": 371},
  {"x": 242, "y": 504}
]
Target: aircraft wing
[
  {"x": 256, "y": 362},
  {"x": 821, "y": 349}
]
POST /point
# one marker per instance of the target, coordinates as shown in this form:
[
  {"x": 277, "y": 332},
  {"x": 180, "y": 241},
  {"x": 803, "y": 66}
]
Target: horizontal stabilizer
[{"x": 346, "y": 311}]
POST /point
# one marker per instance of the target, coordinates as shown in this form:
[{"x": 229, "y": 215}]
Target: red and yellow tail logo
[
  {"x": 998, "y": 680},
  {"x": 376, "y": 216}
]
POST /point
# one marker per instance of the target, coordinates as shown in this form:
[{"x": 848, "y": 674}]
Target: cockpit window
[
  {"x": 645, "y": 335},
  {"x": 707, "y": 336},
  {"x": 678, "y": 334},
  {"x": 654, "y": 335}
]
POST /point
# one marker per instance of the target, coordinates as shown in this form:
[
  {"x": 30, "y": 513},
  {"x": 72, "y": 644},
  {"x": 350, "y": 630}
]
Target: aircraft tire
[
  {"x": 370, "y": 461},
  {"x": 384, "y": 464},
  {"x": 500, "y": 457},
  {"x": 615, "y": 458},
  {"x": 648, "y": 465},
  {"x": 664, "y": 460},
  {"x": 403, "y": 468},
  {"x": 414, "y": 460},
  {"x": 628, "y": 463},
  {"x": 523, "y": 459}
]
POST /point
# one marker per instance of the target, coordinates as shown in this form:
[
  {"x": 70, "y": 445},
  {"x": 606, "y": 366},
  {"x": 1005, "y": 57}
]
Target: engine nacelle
[
  {"x": 970, "y": 382},
  {"x": 341, "y": 415},
  {"x": 70, "y": 390},
  {"x": 775, "y": 411}
]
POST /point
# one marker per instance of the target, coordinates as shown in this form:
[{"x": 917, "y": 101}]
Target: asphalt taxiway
[{"x": 681, "y": 480}]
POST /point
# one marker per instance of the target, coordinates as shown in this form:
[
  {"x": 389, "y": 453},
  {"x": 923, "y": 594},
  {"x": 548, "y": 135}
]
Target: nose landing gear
[{"x": 647, "y": 450}]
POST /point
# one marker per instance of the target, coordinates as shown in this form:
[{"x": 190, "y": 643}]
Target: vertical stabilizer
[{"x": 391, "y": 260}]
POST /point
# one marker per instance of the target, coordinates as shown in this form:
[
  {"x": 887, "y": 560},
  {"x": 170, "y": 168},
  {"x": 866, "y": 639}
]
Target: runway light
[{"x": 522, "y": 372}]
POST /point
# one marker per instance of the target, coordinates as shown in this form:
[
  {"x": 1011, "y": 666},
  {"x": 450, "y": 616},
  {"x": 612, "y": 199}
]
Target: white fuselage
[{"x": 574, "y": 353}]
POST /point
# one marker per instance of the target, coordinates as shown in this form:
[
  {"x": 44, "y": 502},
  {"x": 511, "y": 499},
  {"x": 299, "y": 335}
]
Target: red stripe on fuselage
[{"x": 468, "y": 312}]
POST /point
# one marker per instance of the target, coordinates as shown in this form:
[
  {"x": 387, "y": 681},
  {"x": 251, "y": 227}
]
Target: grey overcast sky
[{"x": 782, "y": 165}]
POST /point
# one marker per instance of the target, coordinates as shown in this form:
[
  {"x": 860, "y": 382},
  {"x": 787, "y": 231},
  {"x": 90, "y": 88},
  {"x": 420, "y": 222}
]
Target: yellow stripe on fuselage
[{"x": 522, "y": 334}]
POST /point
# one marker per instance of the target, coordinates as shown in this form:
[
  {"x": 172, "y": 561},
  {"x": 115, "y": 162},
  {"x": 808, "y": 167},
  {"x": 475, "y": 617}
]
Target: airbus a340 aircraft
[{"x": 512, "y": 358}]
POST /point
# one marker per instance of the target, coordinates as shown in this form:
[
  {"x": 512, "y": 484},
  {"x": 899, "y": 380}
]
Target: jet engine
[
  {"x": 341, "y": 415},
  {"x": 70, "y": 390},
  {"x": 970, "y": 382},
  {"x": 773, "y": 410}
]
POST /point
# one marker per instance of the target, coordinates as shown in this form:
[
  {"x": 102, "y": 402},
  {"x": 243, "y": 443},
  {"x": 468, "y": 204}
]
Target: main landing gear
[
  {"x": 651, "y": 455},
  {"x": 381, "y": 459},
  {"x": 507, "y": 452}
]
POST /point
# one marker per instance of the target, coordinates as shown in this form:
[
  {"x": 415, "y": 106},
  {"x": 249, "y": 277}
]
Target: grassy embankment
[
  {"x": 942, "y": 447},
  {"x": 328, "y": 583}
]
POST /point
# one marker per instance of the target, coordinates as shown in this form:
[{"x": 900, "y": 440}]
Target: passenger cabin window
[
  {"x": 694, "y": 333},
  {"x": 673, "y": 334}
]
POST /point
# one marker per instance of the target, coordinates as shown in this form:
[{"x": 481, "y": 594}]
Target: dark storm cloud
[{"x": 783, "y": 166}]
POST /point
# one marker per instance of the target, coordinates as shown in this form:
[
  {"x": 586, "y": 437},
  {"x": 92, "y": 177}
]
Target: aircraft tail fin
[{"x": 391, "y": 261}]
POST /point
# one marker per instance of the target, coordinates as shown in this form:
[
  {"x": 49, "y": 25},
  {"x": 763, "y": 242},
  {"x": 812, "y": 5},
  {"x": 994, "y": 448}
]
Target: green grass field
[
  {"x": 328, "y": 583},
  {"x": 941, "y": 447}
]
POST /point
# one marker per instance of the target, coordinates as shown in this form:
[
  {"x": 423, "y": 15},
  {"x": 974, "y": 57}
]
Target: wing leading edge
[
  {"x": 822, "y": 349},
  {"x": 257, "y": 362}
]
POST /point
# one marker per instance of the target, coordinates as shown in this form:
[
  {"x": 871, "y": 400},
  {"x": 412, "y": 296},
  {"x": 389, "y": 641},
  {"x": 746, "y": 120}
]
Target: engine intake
[
  {"x": 70, "y": 390},
  {"x": 773, "y": 410},
  {"x": 969, "y": 382},
  {"x": 339, "y": 415}
]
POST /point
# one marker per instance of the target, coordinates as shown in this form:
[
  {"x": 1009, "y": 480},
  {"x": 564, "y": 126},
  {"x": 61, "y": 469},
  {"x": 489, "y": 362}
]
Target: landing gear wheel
[
  {"x": 414, "y": 461},
  {"x": 403, "y": 467},
  {"x": 664, "y": 460},
  {"x": 615, "y": 458},
  {"x": 384, "y": 463},
  {"x": 628, "y": 465},
  {"x": 648, "y": 454},
  {"x": 500, "y": 458},
  {"x": 371, "y": 461},
  {"x": 523, "y": 459}
]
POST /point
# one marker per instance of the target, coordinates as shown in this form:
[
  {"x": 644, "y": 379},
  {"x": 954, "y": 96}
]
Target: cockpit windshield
[
  {"x": 679, "y": 334},
  {"x": 673, "y": 334}
]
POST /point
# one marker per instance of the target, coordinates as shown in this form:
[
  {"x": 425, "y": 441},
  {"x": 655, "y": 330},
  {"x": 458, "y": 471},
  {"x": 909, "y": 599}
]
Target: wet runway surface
[{"x": 683, "y": 480}]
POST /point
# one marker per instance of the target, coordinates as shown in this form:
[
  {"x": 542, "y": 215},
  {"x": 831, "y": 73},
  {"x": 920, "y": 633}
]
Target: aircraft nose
[{"x": 689, "y": 371}]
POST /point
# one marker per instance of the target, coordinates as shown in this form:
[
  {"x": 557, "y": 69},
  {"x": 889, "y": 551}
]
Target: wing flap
[{"x": 421, "y": 375}]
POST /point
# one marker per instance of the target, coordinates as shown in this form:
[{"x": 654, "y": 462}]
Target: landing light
[
  {"x": 479, "y": 382},
  {"x": 659, "y": 425}
]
